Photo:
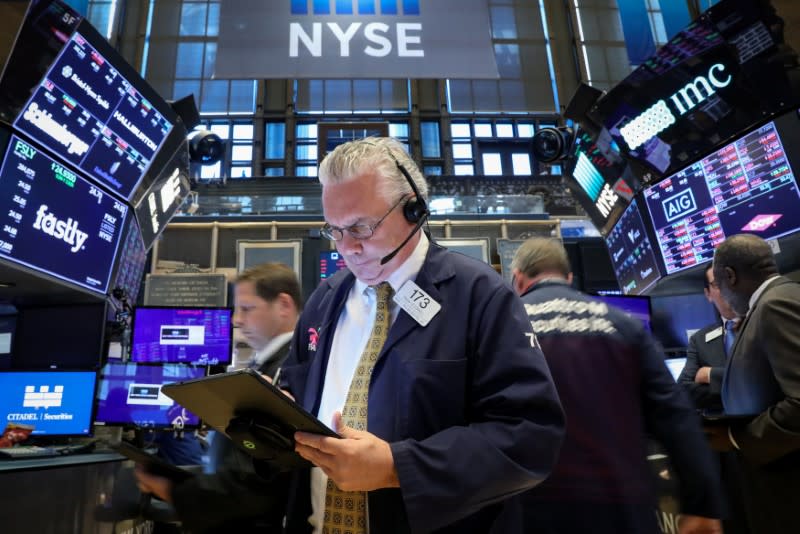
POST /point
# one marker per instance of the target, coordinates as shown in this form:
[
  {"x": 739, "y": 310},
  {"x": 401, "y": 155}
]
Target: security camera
[
  {"x": 552, "y": 144},
  {"x": 206, "y": 148}
]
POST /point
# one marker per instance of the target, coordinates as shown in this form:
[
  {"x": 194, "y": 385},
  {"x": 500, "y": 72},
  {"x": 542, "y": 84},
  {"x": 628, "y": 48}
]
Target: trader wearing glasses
[{"x": 422, "y": 360}]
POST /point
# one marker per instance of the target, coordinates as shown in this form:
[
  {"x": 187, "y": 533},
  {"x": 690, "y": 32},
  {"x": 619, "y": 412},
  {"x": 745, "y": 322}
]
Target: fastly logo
[
  {"x": 379, "y": 38},
  {"x": 67, "y": 231}
]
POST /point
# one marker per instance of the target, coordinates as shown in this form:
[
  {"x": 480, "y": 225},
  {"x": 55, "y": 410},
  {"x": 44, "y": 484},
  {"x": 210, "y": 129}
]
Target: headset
[{"x": 415, "y": 210}]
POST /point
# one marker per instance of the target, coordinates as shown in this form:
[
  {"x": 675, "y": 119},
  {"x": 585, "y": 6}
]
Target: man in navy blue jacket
[
  {"x": 462, "y": 412},
  {"x": 615, "y": 389}
]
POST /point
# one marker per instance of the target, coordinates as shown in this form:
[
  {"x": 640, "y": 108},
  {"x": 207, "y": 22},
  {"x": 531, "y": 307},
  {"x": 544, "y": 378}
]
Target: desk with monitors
[{"x": 745, "y": 186}]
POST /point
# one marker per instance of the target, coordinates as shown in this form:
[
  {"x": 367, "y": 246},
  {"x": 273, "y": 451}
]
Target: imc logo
[
  {"x": 679, "y": 205},
  {"x": 67, "y": 231},
  {"x": 375, "y": 39},
  {"x": 44, "y": 398}
]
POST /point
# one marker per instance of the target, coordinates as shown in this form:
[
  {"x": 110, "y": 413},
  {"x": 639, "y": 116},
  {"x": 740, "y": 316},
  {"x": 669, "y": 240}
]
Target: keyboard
[{"x": 35, "y": 451}]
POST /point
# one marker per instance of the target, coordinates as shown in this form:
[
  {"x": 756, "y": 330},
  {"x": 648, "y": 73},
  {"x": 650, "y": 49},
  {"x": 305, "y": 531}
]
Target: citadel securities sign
[{"x": 355, "y": 39}]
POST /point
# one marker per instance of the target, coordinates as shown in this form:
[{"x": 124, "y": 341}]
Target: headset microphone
[
  {"x": 386, "y": 259},
  {"x": 415, "y": 210}
]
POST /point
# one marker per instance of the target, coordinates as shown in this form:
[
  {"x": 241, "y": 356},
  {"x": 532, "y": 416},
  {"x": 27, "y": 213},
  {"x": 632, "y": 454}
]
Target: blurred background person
[
  {"x": 615, "y": 389},
  {"x": 762, "y": 379},
  {"x": 233, "y": 496}
]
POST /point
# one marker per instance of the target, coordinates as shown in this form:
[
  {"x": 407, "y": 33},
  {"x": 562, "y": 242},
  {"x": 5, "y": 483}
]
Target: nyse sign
[
  {"x": 661, "y": 115},
  {"x": 355, "y": 39}
]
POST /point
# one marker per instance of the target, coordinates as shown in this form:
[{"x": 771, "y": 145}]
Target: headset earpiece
[{"x": 414, "y": 210}]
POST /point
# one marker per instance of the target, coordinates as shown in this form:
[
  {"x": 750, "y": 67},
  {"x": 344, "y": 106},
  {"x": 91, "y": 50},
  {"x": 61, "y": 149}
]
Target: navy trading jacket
[
  {"x": 466, "y": 402},
  {"x": 616, "y": 390}
]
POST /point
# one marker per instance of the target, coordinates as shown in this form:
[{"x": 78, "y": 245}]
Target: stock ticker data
[{"x": 746, "y": 186}]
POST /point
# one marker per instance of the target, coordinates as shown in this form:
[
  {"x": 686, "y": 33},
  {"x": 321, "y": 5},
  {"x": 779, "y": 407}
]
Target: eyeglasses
[{"x": 356, "y": 231}]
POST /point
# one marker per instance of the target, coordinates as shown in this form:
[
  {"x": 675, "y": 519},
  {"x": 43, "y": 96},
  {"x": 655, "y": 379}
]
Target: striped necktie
[{"x": 346, "y": 511}]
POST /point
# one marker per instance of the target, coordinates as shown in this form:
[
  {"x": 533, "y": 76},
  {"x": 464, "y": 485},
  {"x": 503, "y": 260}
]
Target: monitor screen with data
[
  {"x": 129, "y": 394},
  {"x": 197, "y": 336},
  {"x": 56, "y": 222},
  {"x": 637, "y": 307},
  {"x": 746, "y": 186},
  {"x": 632, "y": 255}
]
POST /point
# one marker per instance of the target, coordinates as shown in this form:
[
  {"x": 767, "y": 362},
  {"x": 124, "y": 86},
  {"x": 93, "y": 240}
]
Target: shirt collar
[
  {"x": 407, "y": 270},
  {"x": 272, "y": 347},
  {"x": 760, "y": 291}
]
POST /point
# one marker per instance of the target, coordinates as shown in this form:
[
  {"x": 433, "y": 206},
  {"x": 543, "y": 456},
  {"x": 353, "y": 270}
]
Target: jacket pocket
[{"x": 433, "y": 396}]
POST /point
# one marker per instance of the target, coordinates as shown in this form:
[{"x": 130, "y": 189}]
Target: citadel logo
[{"x": 67, "y": 231}]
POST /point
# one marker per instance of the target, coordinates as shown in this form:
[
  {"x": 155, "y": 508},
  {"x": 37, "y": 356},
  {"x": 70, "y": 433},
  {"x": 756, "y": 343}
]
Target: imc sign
[
  {"x": 662, "y": 114},
  {"x": 355, "y": 39}
]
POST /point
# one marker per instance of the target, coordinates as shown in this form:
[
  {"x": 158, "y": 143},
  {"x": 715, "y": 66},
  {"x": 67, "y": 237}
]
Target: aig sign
[{"x": 355, "y": 39}]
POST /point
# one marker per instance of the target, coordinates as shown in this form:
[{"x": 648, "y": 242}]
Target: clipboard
[
  {"x": 152, "y": 464},
  {"x": 258, "y": 417}
]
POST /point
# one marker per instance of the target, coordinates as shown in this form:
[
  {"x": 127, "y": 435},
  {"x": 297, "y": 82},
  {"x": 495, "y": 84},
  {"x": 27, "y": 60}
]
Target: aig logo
[
  {"x": 368, "y": 37},
  {"x": 679, "y": 204}
]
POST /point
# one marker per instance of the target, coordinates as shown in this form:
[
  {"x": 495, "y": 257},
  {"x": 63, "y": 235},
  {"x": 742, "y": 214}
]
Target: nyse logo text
[{"x": 382, "y": 39}]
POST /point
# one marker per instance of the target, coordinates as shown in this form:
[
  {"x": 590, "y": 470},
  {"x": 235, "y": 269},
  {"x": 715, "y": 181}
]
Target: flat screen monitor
[
  {"x": 129, "y": 394},
  {"x": 632, "y": 255},
  {"x": 252, "y": 253},
  {"x": 197, "y": 336},
  {"x": 56, "y": 222},
  {"x": 54, "y": 403},
  {"x": 63, "y": 336},
  {"x": 637, "y": 307},
  {"x": 477, "y": 248},
  {"x": 330, "y": 262},
  {"x": 729, "y": 70},
  {"x": 506, "y": 249},
  {"x": 746, "y": 186},
  {"x": 92, "y": 110},
  {"x": 677, "y": 317}
]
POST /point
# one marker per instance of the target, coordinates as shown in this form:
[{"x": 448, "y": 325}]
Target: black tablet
[
  {"x": 152, "y": 464},
  {"x": 257, "y": 416}
]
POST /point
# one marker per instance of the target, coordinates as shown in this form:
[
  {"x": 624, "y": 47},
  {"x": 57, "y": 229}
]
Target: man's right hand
[{"x": 695, "y": 524}]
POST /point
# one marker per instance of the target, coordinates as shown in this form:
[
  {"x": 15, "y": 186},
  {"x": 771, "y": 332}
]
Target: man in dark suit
[
  {"x": 762, "y": 378},
  {"x": 708, "y": 350},
  {"x": 234, "y": 497}
]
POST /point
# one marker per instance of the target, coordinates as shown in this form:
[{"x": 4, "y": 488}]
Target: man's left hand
[
  {"x": 718, "y": 438},
  {"x": 359, "y": 461}
]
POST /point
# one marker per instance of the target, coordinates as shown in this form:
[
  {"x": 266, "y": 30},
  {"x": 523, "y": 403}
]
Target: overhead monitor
[
  {"x": 330, "y": 262},
  {"x": 632, "y": 255},
  {"x": 475, "y": 247},
  {"x": 197, "y": 336},
  {"x": 747, "y": 186},
  {"x": 54, "y": 403},
  {"x": 601, "y": 185},
  {"x": 729, "y": 70},
  {"x": 252, "y": 253},
  {"x": 56, "y": 222},
  {"x": 637, "y": 307},
  {"x": 129, "y": 394},
  {"x": 73, "y": 94}
]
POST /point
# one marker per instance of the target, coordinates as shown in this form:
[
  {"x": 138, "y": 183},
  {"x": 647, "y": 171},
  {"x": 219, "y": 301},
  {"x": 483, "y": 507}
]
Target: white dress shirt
[{"x": 352, "y": 333}]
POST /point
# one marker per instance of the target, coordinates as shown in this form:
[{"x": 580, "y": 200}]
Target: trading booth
[{"x": 93, "y": 163}]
